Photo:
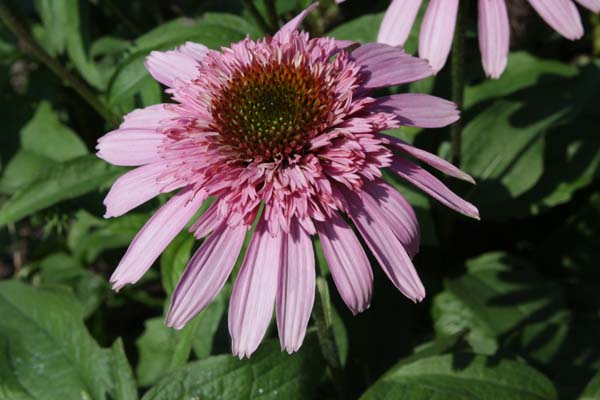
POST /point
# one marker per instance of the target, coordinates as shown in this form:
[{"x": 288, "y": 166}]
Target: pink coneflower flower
[
  {"x": 437, "y": 29},
  {"x": 286, "y": 122}
]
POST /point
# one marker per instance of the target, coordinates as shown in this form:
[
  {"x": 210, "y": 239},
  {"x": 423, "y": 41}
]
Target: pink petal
[
  {"x": 294, "y": 23},
  {"x": 253, "y": 298},
  {"x": 385, "y": 246},
  {"x": 494, "y": 36},
  {"x": 148, "y": 118},
  {"x": 348, "y": 263},
  {"x": 134, "y": 188},
  {"x": 207, "y": 222},
  {"x": 437, "y": 32},
  {"x": 296, "y": 289},
  {"x": 130, "y": 147},
  {"x": 432, "y": 186},
  {"x": 155, "y": 236},
  {"x": 398, "y": 21},
  {"x": 592, "y": 5},
  {"x": 421, "y": 110},
  {"x": 431, "y": 159},
  {"x": 180, "y": 64},
  {"x": 562, "y": 15},
  {"x": 401, "y": 217},
  {"x": 205, "y": 274},
  {"x": 389, "y": 66}
]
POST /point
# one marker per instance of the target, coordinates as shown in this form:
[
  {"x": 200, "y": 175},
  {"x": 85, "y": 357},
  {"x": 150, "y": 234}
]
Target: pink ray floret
[
  {"x": 437, "y": 28},
  {"x": 288, "y": 123}
]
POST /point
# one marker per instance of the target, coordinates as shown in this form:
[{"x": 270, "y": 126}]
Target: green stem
[
  {"x": 31, "y": 47},
  {"x": 323, "y": 323},
  {"x": 458, "y": 80},
  {"x": 258, "y": 17}
]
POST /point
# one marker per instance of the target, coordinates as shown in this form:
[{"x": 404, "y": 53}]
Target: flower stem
[
  {"x": 31, "y": 47},
  {"x": 458, "y": 80},
  {"x": 323, "y": 322}
]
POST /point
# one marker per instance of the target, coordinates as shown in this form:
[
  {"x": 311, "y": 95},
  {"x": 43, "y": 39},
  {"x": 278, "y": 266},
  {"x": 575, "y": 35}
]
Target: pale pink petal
[
  {"x": 294, "y": 24},
  {"x": 133, "y": 189},
  {"x": 205, "y": 274},
  {"x": 168, "y": 67},
  {"x": 339, "y": 1},
  {"x": 348, "y": 263},
  {"x": 385, "y": 246},
  {"x": 592, "y": 5},
  {"x": 420, "y": 110},
  {"x": 389, "y": 66},
  {"x": 155, "y": 236},
  {"x": 253, "y": 297},
  {"x": 494, "y": 36},
  {"x": 401, "y": 217},
  {"x": 562, "y": 15},
  {"x": 195, "y": 51},
  {"x": 432, "y": 186},
  {"x": 296, "y": 289},
  {"x": 207, "y": 222},
  {"x": 431, "y": 159},
  {"x": 398, "y": 21},
  {"x": 437, "y": 32},
  {"x": 147, "y": 119},
  {"x": 130, "y": 147}
]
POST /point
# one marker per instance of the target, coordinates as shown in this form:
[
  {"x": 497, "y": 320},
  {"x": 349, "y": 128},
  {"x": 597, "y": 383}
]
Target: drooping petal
[
  {"x": 386, "y": 65},
  {"x": 253, "y": 297},
  {"x": 431, "y": 159},
  {"x": 592, "y": 5},
  {"x": 207, "y": 222},
  {"x": 130, "y": 147},
  {"x": 133, "y": 189},
  {"x": 296, "y": 289},
  {"x": 420, "y": 110},
  {"x": 432, "y": 186},
  {"x": 385, "y": 246},
  {"x": 348, "y": 263},
  {"x": 294, "y": 24},
  {"x": 147, "y": 119},
  {"x": 437, "y": 32},
  {"x": 400, "y": 215},
  {"x": 155, "y": 236},
  {"x": 205, "y": 274},
  {"x": 561, "y": 15},
  {"x": 494, "y": 36},
  {"x": 180, "y": 64},
  {"x": 398, "y": 21}
]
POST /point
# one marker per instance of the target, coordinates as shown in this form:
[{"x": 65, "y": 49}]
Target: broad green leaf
[
  {"x": 592, "y": 391},
  {"x": 500, "y": 300},
  {"x": 45, "y": 141},
  {"x": 50, "y": 352},
  {"x": 207, "y": 322},
  {"x": 88, "y": 287},
  {"x": 505, "y": 144},
  {"x": 268, "y": 374},
  {"x": 523, "y": 70},
  {"x": 462, "y": 377},
  {"x": 174, "y": 259},
  {"x": 60, "y": 182},
  {"x": 212, "y": 30},
  {"x": 362, "y": 29}
]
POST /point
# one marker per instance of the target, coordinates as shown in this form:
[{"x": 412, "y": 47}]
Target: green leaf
[
  {"x": 523, "y": 70},
  {"x": 61, "y": 268},
  {"x": 207, "y": 322},
  {"x": 212, "y": 30},
  {"x": 269, "y": 373},
  {"x": 61, "y": 182},
  {"x": 50, "y": 352},
  {"x": 44, "y": 141},
  {"x": 505, "y": 145},
  {"x": 500, "y": 299},
  {"x": 592, "y": 391},
  {"x": 362, "y": 29},
  {"x": 462, "y": 376},
  {"x": 174, "y": 259}
]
